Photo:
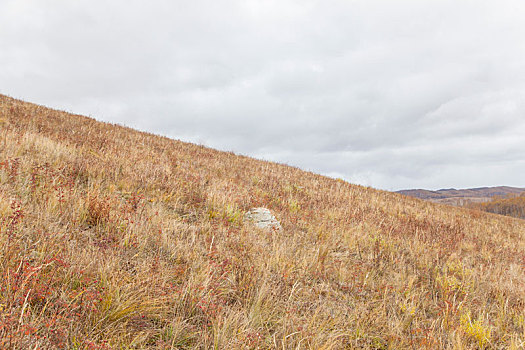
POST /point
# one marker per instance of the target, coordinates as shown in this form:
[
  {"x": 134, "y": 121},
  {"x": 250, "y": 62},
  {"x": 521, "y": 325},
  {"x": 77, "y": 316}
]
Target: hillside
[
  {"x": 462, "y": 197},
  {"x": 114, "y": 239}
]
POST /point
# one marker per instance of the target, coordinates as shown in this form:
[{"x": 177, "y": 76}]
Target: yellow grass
[{"x": 112, "y": 238}]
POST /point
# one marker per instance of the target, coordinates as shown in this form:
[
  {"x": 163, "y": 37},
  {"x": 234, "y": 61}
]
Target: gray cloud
[{"x": 388, "y": 94}]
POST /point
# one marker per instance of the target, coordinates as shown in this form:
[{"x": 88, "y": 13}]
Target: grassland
[{"x": 112, "y": 238}]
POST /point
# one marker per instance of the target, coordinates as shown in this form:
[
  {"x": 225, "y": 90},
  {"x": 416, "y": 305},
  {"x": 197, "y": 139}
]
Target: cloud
[{"x": 388, "y": 94}]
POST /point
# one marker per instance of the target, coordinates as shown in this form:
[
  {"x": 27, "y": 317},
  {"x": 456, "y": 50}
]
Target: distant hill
[{"x": 462, "y": 197}]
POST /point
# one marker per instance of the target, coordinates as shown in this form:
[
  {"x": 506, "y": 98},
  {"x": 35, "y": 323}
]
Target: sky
[{"x": 389, "y": 94}]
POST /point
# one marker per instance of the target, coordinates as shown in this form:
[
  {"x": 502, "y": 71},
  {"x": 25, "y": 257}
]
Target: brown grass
[{"x": 113, "y": 239}]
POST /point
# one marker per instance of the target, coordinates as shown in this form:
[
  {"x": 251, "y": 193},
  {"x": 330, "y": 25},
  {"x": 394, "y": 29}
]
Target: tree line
[{"x": 511, "y": 206}]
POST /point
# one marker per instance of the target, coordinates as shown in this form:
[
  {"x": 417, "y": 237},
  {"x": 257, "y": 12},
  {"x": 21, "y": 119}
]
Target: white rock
[{"x": 262, "y": 218}]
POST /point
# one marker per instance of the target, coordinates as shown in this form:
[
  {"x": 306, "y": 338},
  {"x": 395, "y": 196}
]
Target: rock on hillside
[{"x": 263, "y": 218}]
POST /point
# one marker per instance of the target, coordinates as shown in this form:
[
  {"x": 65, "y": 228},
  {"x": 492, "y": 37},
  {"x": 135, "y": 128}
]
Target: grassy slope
[{"x": 113, "y": 238}]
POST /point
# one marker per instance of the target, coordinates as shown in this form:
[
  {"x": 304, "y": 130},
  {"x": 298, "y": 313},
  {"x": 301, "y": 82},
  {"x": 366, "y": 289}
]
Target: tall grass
[{"x": 112, "y": 239}]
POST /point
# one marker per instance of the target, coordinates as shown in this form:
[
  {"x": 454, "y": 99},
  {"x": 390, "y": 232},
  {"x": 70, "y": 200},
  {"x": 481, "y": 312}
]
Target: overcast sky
[{"x": 390, "y": 94}]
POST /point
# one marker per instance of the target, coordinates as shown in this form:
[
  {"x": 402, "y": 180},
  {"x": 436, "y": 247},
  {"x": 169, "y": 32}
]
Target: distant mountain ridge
[{"x": 454, "y": 196}]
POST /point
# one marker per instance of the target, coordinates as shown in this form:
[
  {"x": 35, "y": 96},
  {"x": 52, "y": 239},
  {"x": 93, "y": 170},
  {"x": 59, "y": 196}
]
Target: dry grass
[{"x": 112, "y": 238}]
